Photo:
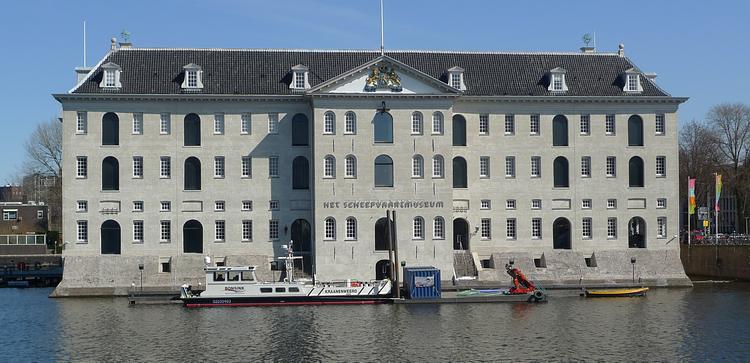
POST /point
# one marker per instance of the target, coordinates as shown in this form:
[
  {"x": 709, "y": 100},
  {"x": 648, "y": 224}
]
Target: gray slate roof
[{"x": 267, "y": 72}]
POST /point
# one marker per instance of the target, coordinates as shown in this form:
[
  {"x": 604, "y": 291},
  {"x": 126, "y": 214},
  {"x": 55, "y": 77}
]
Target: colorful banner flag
[
  {"x": 691, "y": 196},
  {"x": 718, "y": 190}
]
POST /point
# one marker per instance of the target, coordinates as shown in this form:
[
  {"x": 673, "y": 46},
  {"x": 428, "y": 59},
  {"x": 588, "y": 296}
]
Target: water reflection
[{"x": 700, "y": 324}]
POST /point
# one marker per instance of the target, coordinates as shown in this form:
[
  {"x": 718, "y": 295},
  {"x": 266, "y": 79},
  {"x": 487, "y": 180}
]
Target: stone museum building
[{"x": 564, "y": 163}]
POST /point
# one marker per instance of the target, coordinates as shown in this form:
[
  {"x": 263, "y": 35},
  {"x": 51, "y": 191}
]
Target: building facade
[{"x": 565, "y": 163}]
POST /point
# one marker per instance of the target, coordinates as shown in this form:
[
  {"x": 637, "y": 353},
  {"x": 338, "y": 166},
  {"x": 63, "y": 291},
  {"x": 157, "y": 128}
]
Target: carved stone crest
[{"x": 382, "y": 76}]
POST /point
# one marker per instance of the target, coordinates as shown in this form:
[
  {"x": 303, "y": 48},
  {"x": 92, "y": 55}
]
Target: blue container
[{"x": 422, "y": 282}]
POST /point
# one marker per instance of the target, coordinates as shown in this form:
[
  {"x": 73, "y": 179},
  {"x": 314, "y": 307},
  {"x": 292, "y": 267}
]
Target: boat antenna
[{"x": 382, "y": 46}]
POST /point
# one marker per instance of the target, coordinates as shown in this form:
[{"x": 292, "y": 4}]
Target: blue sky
[{"x": 699, "y": 49}]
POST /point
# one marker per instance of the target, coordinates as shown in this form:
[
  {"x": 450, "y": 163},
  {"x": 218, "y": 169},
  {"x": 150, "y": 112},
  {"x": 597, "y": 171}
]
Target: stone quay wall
[{"x": 723, "y": 261}]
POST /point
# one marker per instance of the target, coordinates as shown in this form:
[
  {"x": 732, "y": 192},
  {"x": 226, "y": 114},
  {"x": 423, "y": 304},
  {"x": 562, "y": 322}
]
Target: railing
[{"x": 23, "y": 239}]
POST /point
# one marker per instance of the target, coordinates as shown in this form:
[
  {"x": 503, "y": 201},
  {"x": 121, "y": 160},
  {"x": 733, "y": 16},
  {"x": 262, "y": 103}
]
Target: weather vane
[
  {"x": 125, "y": 36},
  {"x": 586, "y": 39}
]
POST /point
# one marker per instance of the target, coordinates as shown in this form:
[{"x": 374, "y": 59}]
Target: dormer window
[
  {"x": 456, "y": 78},
  {"x": 632, "y": 81},
  {"x": 193, "y": 77},
  {"x": 300, "y": 78},
  {"x": 557, "y": 80},
  {"x": 111, "y": 76}
]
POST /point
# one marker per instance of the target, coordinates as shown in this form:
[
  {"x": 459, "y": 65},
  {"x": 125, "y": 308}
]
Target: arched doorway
[
  {"x": 301, "y": 236},
  {"x": 460, "y": 234},
  {"x": 383, "y": 270},
  {"x": 381, "y": 234},
  {"x": 110, "y": 238},
  {"x": 110, "y": 173},
  {"x": 192, "y": 173},
  {"x": 637, "y": 233},
  {"x": 561, "y": 234},
  {"x": 192, "y": 237}
]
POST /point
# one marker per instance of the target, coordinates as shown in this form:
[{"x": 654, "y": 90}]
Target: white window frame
[
  {"x": 350, "y": 123},
  {"x": 350, "y": 166},
  {"x": 438, "y": 228},
  {"x": 273, "y": 123},
  {"x": 219, "y": 167},
  {"x": 329, "y": 167},
  {"x": 245, "y": 124},
  {"x": 82, "y": 231},
  {"x": 534, "y": 124},
  {"x": 138, "y": 231},
  {"x": 220, "y": 230},
  {"x": 661, "y": 166},
  {"x": 165, "y": 206},
  {"x": 329, "y": 229},
  {"x": 220, "y": 206},
  {"x": 585, "y": 166},
  {"x": 484, "y": 124},
  {"x": 246, "y": 167},
  {"x": 610, "y": 125},
  {"x": 661, "y": 203},
  {"x": 585, "y": 125},
  {"x": 82, "y": 168},
  {"x": 417, "y": 166},
  {"x": 417, "y": 123},
  {"x": 485, "y": 204},
  {"x": 137, "y": 167},
  {"x": 273, "y": 204},
  {"x": 511, "y": 229},
  {"x": 418, "y": 228},
  {"x": 165, "y": 167},
  {"x": 219, "y": 124},
  {"x": 660, "y": 124},
  {"x": 247, "y": 230},
  {"x": 165, "y": 231},
  {"x": 247, "y": 205},
  {"x": 612, "y": 228},
  {"x": 82, "y": 206},
  {"x": 510, "y": 204},
  {"x": 586, "y": 228},
  {"x": 510, "y": 124},
  {"x": 484, "y": 167},
  {"x": 273, "y": 166},
  {"x": 329, "y": 123},
  {"x": 438, "y": 167},
  {"x": 137, "y": 123},
  {"x": 351, "y": 229},
  {"x": 586, "y": 204},
  {"x": 611, "y": 203},
  {"x": 138, "y": 206},
  {"x": 485, "y": 228},
  {"x": 437, "y": 123},
  {"x": 81, "y": 122},
  {"x": 536, "y": 166},
  {"x": 165, "y": 123},
  {"x": 536, "y": 228},
  {"x": 510, "y": 167},
  {"x": 611, "y": 167},
  {"x": 273, "y": 229},
  {"x": 661, "y": 227},
  {"x": 536, "y": 204}
]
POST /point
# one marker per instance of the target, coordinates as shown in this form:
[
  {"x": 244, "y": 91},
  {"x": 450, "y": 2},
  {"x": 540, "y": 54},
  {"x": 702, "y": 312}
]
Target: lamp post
[
  {"x": 140, "y": 267},
  {"x": 632, "y": 262}
]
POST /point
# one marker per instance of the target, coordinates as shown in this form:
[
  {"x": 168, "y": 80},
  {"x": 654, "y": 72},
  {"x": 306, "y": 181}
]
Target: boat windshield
[
  {"x": 233, "y": 276},
  {"x": 248, "y": 276},
  {"x": 218, "y": 276}
]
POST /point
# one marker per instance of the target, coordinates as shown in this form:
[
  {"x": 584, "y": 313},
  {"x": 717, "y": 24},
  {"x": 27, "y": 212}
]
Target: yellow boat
[{"x": 632, "y": 291}]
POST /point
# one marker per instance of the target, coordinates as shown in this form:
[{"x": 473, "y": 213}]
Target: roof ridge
[{"x": 425, "y": 51}]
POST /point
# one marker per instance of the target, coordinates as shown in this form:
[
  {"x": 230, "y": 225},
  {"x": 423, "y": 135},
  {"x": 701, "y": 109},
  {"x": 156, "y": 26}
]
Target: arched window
[
  {"x": 635, "y": 131},
  {"x": 383, "y": 171},
  {"x": 329, "y": 123},
  {"x": 417, "y": 166},
  {"x": 192, "y": 173},
  {"x": 560, "y": 131},
  {"x": 383, "y": 127},
  {"x": 437, "y": 123},
  {"x": 561, "y": 172},
  {"x": 460, "y": 179},
  {"x": 459, "y": 130},
  {"x": 110, "y": 238},
  {"x": 418, "y": 228},
  {"x": 350, "y": 166},
  {"x": 192, "y": 130},
  {"x": 329, "y": 232},
  {"x": 351, "y": 228},
  {"x": 438, "y": 228},
  {"x": 635, "y": 166},
  {"x": 300, "y": 130},
  {"x": 110, "y": 129},
  {"x": 350, "y": 126},
  {"x": 329, "y": 166},
  {"x": 438, "y": 166},
  {"x": 416, "y": 123},
  {"x": 381, "y": 234},
  {"x": 110, "y": 173},
  {"x": 300, "y": 173}
]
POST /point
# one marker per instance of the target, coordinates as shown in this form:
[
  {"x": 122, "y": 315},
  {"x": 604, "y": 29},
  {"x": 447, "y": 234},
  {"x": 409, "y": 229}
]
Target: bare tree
[
  {"x": 44, "y": 149},
  {"x": 699, "y": 158}
]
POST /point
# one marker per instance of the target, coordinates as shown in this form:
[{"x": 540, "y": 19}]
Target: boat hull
[
  {"x": 627, "y": 292},
  {"x": 195, "y": 302}
]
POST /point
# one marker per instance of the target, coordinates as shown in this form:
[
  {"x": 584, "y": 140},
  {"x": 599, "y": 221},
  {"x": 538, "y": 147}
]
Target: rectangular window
[
  {"x": 438, "y": 228},
  {"x": 661, "y": 227},
  {"x": 351, "y": 229},
  {"x": 536, "y": 166},
  {"x": 219, "y": 206},
  {"x": 661, "y": 203},
  {"x": 245, "y": 124},
  {"x": 632, "y": 82},
  {"x": 534, "y": 124},
  {"x": 510, "y": 124},
  {"x": 165, "y": 124},
  {"x": 81, "y": 122},
  {"x": 585, "y": 124},
  {"x": 350, "y": 123},
  {"x": 611, "y": 166},
  {"x": 247, "y": 205},
  {"x": 10, "y": 215},
  {"x": 486, "y": 228},
  {"x": 661, "y": 166},
  {"x": 484, "y": 124},
  {"x": 510, "y": 204},
  {"x": 609, "y": 125},
  {"x": 192, "y": 79},
  {"x": 137, "y": 166},
  {"x": 586, "y": 204},
  {"x": 273, "y": 229},
  {"x": 417, "y": 228},
  {"x": 273, "y": 123},
  {"x": 536, "y": 228},
  {"x": 165, "y": 234},
  {"x": 485, "y": 204},
  {"x": 137, "y": 123},
  {"x": 536, "y": 204},
  {"x": 611, "y": 228},
  {"x": 82, "y": 206},
  {"x": 82, "y": 169},
  {"x": 299, "y": 80},
  {"x": 456, "y": 80},
  {"x": 218, "y": 167},
  {"x": 165, "y": 206},
  {"x": 82, "y": 234},
  {"x": 586, "y": 228},
  {"x": 510, "y": 166},
  {"x": 557, "y": 82},
  {"x": 660, "y": 124},
  {"x": 218, "y": 124},
  {"x": 273, "y": 205},
  {"x": 484, "y": 166},
  {"x": 165, "y": 167},
  {"x": 611, "y": 203},
  {"x": 109, "y": 78},
  {"x": 247, "y": 230},
  {"x": 273, "y": 166},
  {"x": 246, "y": 167},
  {"x": 586, "y": 166},
  {"x": 220, "y": 230},
  {"x": 138, "y": 231},
  {"x": 510, "y": 228},
  {"x": 138, "y": 206}
]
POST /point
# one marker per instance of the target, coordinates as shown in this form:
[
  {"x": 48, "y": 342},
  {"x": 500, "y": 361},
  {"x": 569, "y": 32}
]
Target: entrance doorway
[
  {"x": 561, "y": 234},
  {"x": 301, "y": 236},
  {"x": 110, "y": 238},
  {"x": 192, "y": 237},
  {"x": 460, "y": 234},
  {"x": 637, "y": 233}
]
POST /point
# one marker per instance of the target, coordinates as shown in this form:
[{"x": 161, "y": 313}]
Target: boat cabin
[{"x": 228, "y": 274}]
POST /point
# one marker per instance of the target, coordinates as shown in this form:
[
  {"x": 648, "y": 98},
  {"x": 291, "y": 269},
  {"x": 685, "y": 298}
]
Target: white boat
[{"x": 239, "y": 286}]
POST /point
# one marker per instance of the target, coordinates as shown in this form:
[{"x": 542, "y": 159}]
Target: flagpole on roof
[{"x": 382, "y": 46}]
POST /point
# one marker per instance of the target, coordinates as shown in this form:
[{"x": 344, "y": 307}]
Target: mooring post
[{"x": 395, "y": 259}]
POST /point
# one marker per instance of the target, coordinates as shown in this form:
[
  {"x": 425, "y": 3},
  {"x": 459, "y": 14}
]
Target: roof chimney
[
  {"x": 650, "y": 75},
  {"x": 588, "y": 49},
  {"x": 113, "y": 46},
  {"x": 126, "y": 45},
  {"x": 81, "y": 73},
  {"x": 621, "y": 50}
]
